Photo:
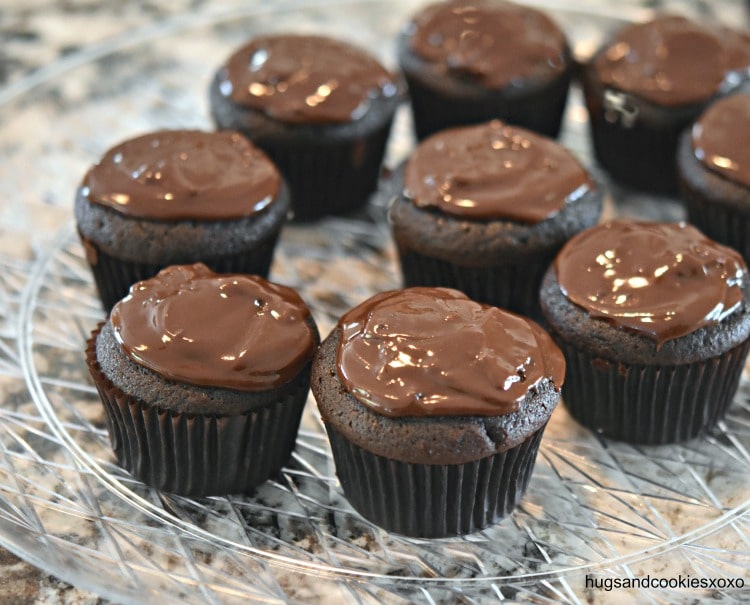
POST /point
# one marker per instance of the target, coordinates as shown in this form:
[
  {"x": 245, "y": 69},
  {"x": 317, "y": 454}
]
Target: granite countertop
[
  {"x": 34, "y": 36},
  {"x": 43, "y": 37}
]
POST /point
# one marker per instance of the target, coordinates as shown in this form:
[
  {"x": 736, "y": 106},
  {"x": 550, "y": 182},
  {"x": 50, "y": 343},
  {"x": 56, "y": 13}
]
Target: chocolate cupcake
[
  {"x": 713, "y": 163},
  {"x": 321, "y": 108},
  {"x": 470, "y": 62},
  {"x": 650, "y": 82},
  {"x": 654, "y": 321},
  {"x": 434, "y": 406},
  {"x": 203, "y": 379},
  {"x": 484, "y": 209},
  {"x": 172, "y": 197}
]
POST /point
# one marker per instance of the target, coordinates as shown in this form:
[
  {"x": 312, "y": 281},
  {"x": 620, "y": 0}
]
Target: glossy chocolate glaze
[
  {"x": 495, "y": 43},
  {"x": 184, "y": 175},
  {"x": 305, "y": 79},
  {"x": 494, "y": 171},
  {"x": 191, "y": 325},
  {"x": 673, "y": 60},
  {"x": 661, "y": 280},
  {"x": 435, "y": 352},
  {"x": 721, "y": 138}
]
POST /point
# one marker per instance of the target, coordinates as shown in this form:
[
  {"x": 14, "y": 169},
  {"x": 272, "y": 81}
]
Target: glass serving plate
[{"x": 593, "y": 506}]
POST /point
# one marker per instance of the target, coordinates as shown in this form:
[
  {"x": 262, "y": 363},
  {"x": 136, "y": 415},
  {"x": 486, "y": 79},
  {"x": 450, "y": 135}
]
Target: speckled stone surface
[
  {"x": 37, "y": 36},
  {"x": 23, "y": 584},
  {"x": 34, "y": 37},
  {"x": 41, "y": 39}
]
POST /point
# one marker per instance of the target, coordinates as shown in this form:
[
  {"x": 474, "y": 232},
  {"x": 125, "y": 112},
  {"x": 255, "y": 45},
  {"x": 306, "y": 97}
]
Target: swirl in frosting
[
  {"x": 661, "y": 280},
  {"x": 184, "y": 175},
  {"x": 495, "y": 43},
  {"x": 301, "y": 79},
  {"x": 720, "y": 138},
  {"x": 192, "y": 325},
  {"x": 435, "y": 352},
  {"x": 494, "y": 171},
  {"x": 673, "y": 60}
]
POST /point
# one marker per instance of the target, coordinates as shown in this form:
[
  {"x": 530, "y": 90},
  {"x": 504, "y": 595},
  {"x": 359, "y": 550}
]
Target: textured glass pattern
[{"x": 592, "y": 506}]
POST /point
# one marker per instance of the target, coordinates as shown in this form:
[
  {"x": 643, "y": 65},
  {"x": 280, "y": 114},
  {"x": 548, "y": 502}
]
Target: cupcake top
[
  {"x": 660, "y": 280},
  {"x": 494, "y": 171},
  {"x": 435, "y": 352},
  {"x": 496, "y": 43},
  {"x": 305, "y": 79},
  {"x": 191, "y": 325},
  {"x": 184, "y": 175},
  {"x": 673, "y": 60},
  {"x": 720, "y": 138}
]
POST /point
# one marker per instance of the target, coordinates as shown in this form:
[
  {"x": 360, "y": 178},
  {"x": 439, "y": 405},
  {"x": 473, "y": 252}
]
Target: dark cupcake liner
[
  {"x": 650, "y": 404},
  {"x": 329, "y": 176},
  {"x": 637, "y": 144},
  {"x": 540, "y": 110},
  {"x": 433, "y": 501},
  {"x": 723, "y": 223},
  {"x": 113, "y": 276},
  {"x": 513, "y": 286},
  {"x": 638, "y": 157},
  {"x": 198, "y": 455}
]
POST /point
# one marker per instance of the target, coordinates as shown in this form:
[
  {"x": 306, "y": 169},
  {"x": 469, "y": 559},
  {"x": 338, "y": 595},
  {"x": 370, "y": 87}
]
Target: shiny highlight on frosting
[
  {"x": 495, "y": 43},
  {"x": 673, "y": 60},
  {"x": 304, "y": 78},
  {"x": 184, "y": 175},
  {"x": 660, "y": 280},
  {"x": 233, "y": 331},
  {"x": 721, "y": 138},
  {"x": 494, "y": 171},
  {"x": 435, "y": 352}
]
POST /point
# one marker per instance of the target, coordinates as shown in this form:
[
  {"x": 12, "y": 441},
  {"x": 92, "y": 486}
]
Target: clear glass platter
[{"x": 593, "y": 506}]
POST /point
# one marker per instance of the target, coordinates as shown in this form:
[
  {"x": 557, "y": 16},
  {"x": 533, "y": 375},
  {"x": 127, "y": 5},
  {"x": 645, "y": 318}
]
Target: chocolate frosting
[
  {"x": 184, "y": 175},
  {"x": 435, "y": 352},
  {"x": 721, "y": 138},
  {"x": 494, "y": 171},
  {"x": 661, "y": 280},
  {"x": 674, "y": 61},
  {"x": 191, "y": 325},
  {"x": 495, "y": 43},
  {"x": 303, "y": 79}
]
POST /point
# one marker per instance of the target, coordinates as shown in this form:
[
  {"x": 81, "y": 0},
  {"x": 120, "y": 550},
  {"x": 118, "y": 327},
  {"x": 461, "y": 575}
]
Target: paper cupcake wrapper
[
  {"x": 637, "y": 157},
  {"x": 650, "y": 404},
  {"x": 330, "y": 177},
  {"x": 723, "y": 223},
  {"x": 433, "y": 501},
  {"x": 514, "y": 287},
  {"x": 641, "y": 154},
  {"x": 198, "y": 455},
  {"x": 113, "y": 276},
  {"x": 538, "y": 110}
]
